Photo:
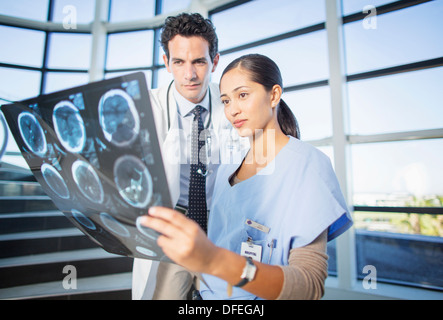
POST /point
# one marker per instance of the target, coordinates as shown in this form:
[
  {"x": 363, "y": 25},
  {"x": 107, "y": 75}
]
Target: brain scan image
[
  {"x": 133, "y": 181},
  {"x": 32, "y": 133},
  {"x": 113, "y": 225},
  {"x": 69, "y": 126},
  {"x": 55, "y": 181},
  {"x": 147, "y": 232},
  {"x": 146, "y": 252},
  {"x": 83, "y": 220},
  {"x": 118, "y": 117},
  {"x": 87, "y": 181}
]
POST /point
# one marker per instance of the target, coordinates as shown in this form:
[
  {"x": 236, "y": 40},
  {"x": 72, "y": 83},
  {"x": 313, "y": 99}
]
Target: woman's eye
[
  {"x": 225, "y": 102},
  {"x": 243, "y": 95}
]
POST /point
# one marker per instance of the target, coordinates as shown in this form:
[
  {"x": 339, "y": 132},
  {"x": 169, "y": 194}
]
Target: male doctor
[{"x": 191, "y": 55}]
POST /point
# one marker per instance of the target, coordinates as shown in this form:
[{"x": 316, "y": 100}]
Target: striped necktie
[{"x": 197, "y": 209}]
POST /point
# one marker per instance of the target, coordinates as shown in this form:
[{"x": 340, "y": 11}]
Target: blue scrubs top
[{"x": 297, "y": 196}]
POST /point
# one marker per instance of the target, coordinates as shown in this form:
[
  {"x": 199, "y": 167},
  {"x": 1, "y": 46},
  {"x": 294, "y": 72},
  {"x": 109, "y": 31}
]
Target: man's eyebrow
[
  {"x": 195, "y": 60},
  {"x": 200, "y": 59}
]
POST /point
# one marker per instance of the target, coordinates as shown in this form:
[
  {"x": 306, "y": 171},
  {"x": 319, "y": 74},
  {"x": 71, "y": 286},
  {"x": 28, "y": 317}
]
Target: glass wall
[
  {"x": 394, "y": 70},
  {"x": 395, "y": 87}
]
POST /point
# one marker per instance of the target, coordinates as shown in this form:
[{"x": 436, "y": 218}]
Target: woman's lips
[{"x": 239, "y": 123}]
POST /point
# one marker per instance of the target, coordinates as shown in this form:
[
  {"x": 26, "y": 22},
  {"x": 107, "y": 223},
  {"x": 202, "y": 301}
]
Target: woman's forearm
[{"x": 227, "y": 265}]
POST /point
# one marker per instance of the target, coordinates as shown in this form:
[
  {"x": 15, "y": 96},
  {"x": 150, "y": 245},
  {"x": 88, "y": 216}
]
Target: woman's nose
[{"x": 234, "y": 110}]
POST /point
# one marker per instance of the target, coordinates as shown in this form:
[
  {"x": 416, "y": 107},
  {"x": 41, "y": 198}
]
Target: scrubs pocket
[{"x": 262, "y": 239}]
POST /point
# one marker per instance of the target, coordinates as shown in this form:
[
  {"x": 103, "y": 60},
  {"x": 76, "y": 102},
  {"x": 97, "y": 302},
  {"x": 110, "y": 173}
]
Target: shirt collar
[{"x": 185, "y": 106}]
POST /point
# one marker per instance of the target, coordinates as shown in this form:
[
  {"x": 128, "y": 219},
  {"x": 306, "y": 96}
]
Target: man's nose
[{"x": 190, "y": 72}]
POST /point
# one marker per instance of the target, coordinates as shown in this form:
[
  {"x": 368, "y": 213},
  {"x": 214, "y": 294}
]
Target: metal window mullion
[
  {"x": 345, "y": 244},
  {"x": 156, "y": 46},
  {"x": 46, "y": 49},
  {"x": 99, "y": 41}
]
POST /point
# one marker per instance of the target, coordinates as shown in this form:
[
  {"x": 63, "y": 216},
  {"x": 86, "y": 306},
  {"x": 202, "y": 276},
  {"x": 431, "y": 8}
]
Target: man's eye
[{"x": 225, "y": 102}]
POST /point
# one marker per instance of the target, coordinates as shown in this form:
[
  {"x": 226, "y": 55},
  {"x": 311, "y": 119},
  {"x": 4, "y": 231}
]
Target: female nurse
[{"x": 273, "y": 215}]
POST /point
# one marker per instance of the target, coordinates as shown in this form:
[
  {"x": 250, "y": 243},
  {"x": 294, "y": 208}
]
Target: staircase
[{"x": 37, "y": 242}]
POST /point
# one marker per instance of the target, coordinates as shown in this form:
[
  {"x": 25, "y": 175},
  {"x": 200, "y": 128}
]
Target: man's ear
[
  {"x": 215, "y": 62},
  {"x": 166, "y": 61}
]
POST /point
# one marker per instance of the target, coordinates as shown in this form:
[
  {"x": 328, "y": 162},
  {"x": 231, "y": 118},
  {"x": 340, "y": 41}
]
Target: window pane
[
  {"x": 164, "y": 77},
  {"x": 234, "y": 26},
  {"x": 400, "y": 222},
  {"x": 130, "y": 50},
  {"x": 174, "y": 5},
  {"x": 401, "y": 37},
  {"x": 312, "y": 108},
  {"x": 128, "y": 10},
  {"x": 404, "y": 102},
  {"x": 79, "y": 11},
  {"x": 56, "y": 81},
  {"x": 354, "y": 6},
  {"x": 16, "y": 85},
  {"x": 401, "y": 258},
  {"x": 69, "y": 51},
  {"x": 301, "y": 59},
  {"x": 401, "y": 174},
  {"x": 26, "y": 9},
  {"x": 22, "y": 46}
]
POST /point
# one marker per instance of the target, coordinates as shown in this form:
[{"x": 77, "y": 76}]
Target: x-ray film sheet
[{"x": 95, "y": 152}]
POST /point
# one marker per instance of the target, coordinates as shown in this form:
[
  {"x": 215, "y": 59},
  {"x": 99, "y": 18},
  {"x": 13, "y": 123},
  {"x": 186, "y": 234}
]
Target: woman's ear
[{"x": 276, "y": 93}]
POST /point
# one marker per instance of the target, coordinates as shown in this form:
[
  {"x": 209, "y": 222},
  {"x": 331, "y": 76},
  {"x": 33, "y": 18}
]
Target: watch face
[
  {"x": 118, "y": 117},
  {"x": 69, "y": 126}
]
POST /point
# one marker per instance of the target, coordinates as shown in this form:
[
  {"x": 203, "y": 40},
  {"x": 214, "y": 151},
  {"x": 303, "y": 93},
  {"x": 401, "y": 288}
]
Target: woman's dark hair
[
  {"x": 188, "y": 25},
  {"x": 266, "y": 72}
]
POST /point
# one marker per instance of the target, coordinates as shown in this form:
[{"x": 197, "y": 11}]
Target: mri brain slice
[
  {"x": 87, "y": 181},
  {"x": 133, "y": 181},
  {"x": 32, "y": 133},
  {"x": 55, "y": 181},
  {"x": 119, "y": 118},
  {"x": 69, "y": 126}
]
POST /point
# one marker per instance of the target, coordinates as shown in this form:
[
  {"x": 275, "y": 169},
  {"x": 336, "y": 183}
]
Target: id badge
[{"x": 248, "y": 249}]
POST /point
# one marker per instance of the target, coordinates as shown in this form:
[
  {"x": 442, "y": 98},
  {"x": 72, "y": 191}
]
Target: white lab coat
[{"x": 225, "y": 145}]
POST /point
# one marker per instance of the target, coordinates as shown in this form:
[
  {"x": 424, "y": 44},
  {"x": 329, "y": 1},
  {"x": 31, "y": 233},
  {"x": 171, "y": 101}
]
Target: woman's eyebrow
[{"x": 235, "y": 90}]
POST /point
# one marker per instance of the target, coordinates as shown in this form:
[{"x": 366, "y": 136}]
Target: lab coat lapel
[{"x": 171, "y": 147}]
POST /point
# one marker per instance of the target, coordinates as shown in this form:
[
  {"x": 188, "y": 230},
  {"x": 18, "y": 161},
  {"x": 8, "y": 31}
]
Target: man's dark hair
[{"x": 187, "y": 25}]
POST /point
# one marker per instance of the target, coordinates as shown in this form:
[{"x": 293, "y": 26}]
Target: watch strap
[{"x": 248, "y": 272}]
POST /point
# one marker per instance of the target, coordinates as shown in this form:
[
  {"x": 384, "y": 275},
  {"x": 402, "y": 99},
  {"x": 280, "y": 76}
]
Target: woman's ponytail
[{"x": 287, "y": 121}]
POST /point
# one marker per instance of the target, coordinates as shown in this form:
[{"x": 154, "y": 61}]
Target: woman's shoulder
[{"x": 307, "y": 152}]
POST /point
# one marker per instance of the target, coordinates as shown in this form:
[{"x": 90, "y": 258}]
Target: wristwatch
[{"x": 248, "y": 273}]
